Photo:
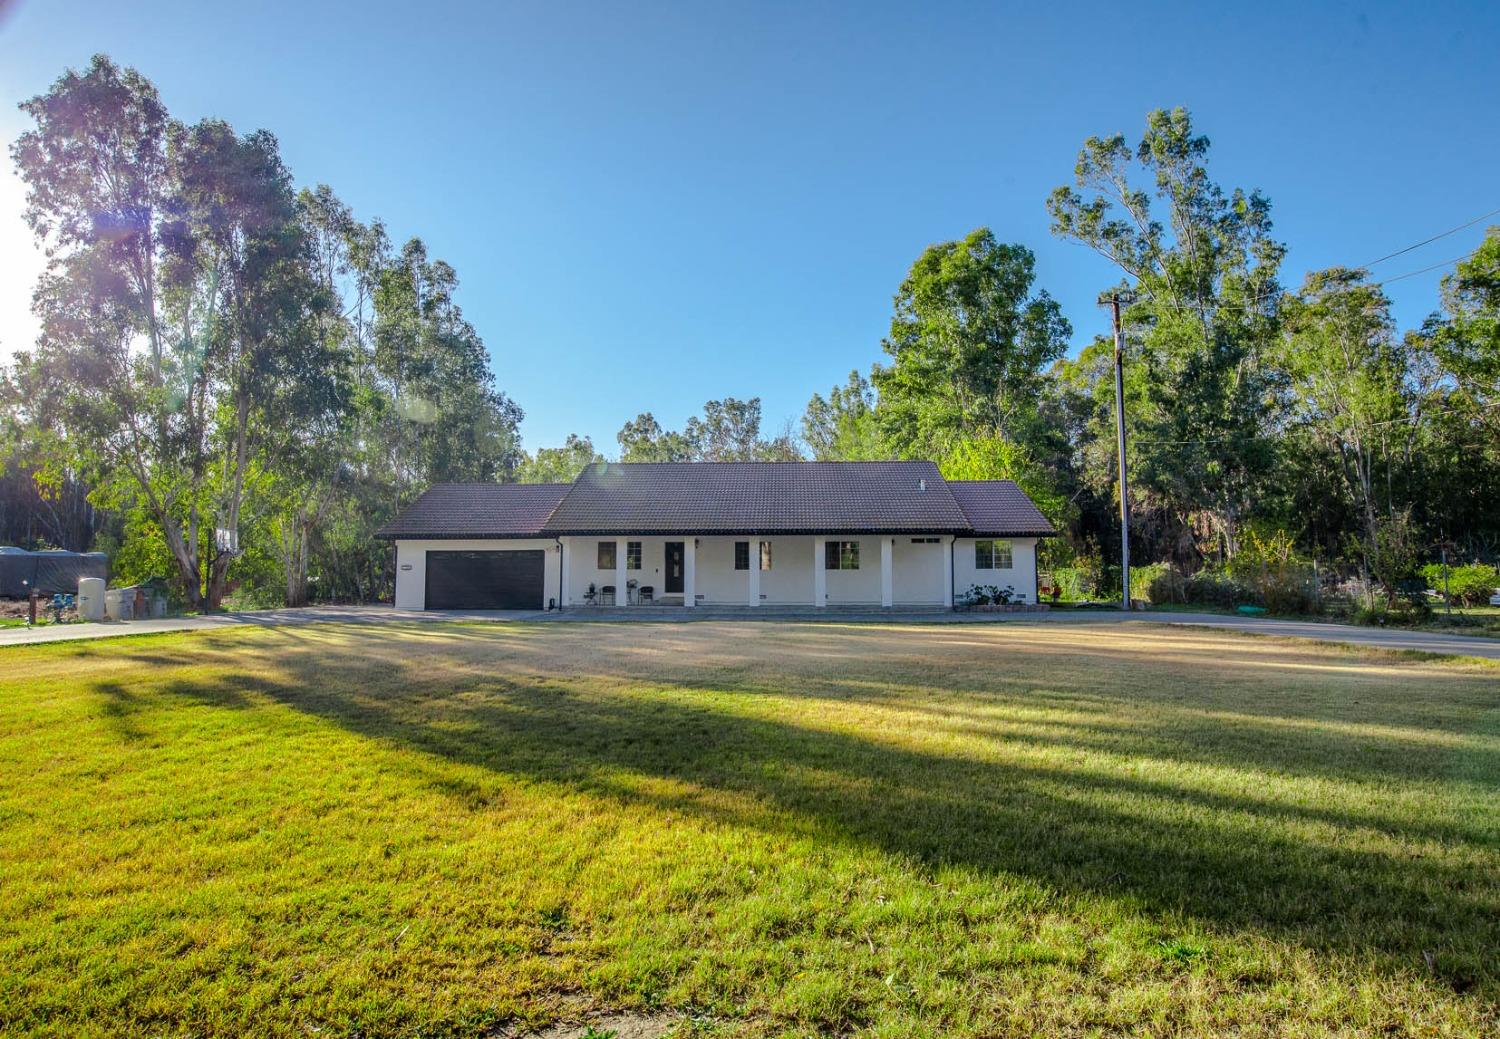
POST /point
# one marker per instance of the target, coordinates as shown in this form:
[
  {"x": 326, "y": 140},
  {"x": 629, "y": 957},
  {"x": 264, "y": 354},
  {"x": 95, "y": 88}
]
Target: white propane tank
[{"x": 91, "y": 598}]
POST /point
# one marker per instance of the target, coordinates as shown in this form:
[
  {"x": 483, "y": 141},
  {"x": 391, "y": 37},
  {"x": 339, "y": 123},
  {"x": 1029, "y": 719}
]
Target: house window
[
  {"x": 992, "y": 555},
  {"x": 926, "y": 541},
  {"x": 606, "y": 555},
  {"x": 632, "y": 555},
  {"x": 841, "y": 555},
  {"x": 742, "y": 555},
  {"x": 765, "y": 555}
]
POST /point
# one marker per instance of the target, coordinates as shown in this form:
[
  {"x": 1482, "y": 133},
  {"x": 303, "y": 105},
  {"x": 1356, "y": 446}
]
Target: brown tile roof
[
  {"x": 727, "y": 498},
  {"x": 999, "y": 508},
  {"x": 758, "y": 497},
  {"x": 478, "y": 510}
]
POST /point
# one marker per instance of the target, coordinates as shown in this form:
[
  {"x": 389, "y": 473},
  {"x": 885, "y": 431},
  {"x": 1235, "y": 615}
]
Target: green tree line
[{"x": 238, "y": 382}]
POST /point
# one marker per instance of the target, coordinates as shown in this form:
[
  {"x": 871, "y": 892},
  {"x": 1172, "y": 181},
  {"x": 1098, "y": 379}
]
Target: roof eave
[
  {"x": 601, "y": 532},
  {"x": 462, "y": 535}
]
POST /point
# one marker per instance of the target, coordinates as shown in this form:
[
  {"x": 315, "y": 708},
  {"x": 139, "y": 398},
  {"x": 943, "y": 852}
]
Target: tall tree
[
  {"x": 174, "y": 307},
  {"x": 844, "y": 426},
  {"x": 727, "y": 431},
  {"x": 1355, "y": 389},
  {"x": 1201, "y": 267},
  {"x": 969, "y": 342},
  {"x": 450, "y": 422},
  {"x": 1469, "y": 346},
  {"x": 642, "y": 439},
  {"x": 559, "y": 464}
]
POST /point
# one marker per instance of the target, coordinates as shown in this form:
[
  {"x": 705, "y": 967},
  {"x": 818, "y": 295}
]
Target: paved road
[{"x": 1379, "y": 638}]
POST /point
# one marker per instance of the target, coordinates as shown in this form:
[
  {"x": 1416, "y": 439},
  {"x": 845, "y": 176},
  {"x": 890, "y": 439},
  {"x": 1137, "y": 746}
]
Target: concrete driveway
[{"x": 1378, "y": 638}]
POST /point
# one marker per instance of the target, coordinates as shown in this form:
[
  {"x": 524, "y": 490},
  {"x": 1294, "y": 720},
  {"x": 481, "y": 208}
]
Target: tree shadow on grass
[{"x": 1388, "y": 888}]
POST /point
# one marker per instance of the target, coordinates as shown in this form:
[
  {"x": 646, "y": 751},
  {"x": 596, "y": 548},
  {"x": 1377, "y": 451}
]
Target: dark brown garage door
[{"x": 485, "y": 580}]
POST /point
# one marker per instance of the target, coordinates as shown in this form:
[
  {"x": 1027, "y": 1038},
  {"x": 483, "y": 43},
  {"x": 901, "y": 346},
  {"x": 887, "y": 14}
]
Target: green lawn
[{"x": 772, "y": 829}]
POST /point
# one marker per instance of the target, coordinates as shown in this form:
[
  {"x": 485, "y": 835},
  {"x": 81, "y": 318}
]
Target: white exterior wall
[
  {"x": 918, "y": 571},
  {"x": 411, "y": 566},
  {"x": 1021, "y": 577},
  {"x": 584, "y": 570}
]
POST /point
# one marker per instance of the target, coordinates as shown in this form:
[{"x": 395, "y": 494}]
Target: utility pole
[{"x": 1114, "y": 304}]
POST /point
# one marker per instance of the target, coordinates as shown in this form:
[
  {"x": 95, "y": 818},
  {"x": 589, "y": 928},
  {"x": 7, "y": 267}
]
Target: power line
[
  {"x": 1244, "y": 305},
  {"x": 1429, "y": 241},
  {"x": 1247, "y": 303},
  {"x": 1424, "y": 270}
]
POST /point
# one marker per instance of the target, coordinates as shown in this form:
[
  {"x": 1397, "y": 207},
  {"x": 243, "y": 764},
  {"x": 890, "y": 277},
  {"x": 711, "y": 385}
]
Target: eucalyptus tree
[
  {"x": 1355, "y": 390},
  {"x": 1469, "y": 344},
  {"x": 559, "y": 464},
  {"x": 643, "y": 439},
  {"x": 727, "y": 431},
  {"x": 175, "y": 306},
  {"x": 843, "y": 426},
  {"x": 1201, "y": 267},
  {"x": 450, "y": 422}
]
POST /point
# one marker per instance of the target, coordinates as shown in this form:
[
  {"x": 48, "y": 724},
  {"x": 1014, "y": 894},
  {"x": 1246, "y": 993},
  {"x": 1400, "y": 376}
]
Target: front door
[{"x": 674, "y": 568}]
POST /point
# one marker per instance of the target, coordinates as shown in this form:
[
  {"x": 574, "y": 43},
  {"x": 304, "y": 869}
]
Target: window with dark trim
[
  {"x": 765, "y": 555},
  {"x": 926, "y": 541},
  {"x": 992, "y": 555},
  {"x": 632, "y": 555},
  {"x": 742, "y": 555},
  {"x": 606, "y": 555},
  {"x": 841, "y": 555}
]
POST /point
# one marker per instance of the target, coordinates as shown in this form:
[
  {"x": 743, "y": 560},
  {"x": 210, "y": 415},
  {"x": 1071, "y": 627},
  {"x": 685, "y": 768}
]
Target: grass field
[{"x": 770, "y": 829}]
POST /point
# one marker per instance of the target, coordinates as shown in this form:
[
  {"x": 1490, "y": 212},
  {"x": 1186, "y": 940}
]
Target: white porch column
[
  {"x": 622, "y": 597},
  {"x": 885, "y": 571},
  {"x": 754, "y": 573},
  {"x": 948, "y": 574},
  {"x": 690, "y": 572},
  {"x": 820, "y": 576},
  {"x": 562, "y": 574}
]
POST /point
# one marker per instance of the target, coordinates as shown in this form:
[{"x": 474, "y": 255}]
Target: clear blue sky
[{"x": 651, "y": 205}]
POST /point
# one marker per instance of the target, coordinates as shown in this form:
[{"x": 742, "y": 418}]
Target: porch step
[{"x": 724, "y": 611}]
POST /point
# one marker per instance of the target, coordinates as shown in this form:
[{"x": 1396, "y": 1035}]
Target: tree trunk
[
  {"x": 218, "y": 578},
  {"x": 294, "y": 557}
]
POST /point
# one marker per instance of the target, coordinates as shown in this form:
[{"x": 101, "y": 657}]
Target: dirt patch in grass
[{"x": 615, "y": 1026}]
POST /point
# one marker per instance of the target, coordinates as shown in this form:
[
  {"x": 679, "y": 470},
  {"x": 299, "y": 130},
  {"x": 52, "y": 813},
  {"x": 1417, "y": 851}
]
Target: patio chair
[
  {"x": 607, "y": 595},
  {"x": 647, "y": 594}
]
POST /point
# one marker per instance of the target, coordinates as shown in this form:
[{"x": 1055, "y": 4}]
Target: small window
[
  {"x": 841, "y": 555},
  {"x": 765, "y": 555},
  {"x": 606, "y": 555},
  {"x": 992, "y": 555},
  {"x": 632, "y": 555},
  {"x": 926, "y": 541},
  {"x": 742, "y": 555}
]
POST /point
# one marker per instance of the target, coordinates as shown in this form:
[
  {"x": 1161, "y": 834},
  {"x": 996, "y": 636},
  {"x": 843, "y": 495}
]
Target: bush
[
  {"x": 1168, "y": 586},
  {"x": 1470, "y": 585},
  {"x": 1282, "y": 580},
  {"x": 987, "y": 594},
  {"x": 1405, "y": 610},
  {"x": 1217, "y": 588},
  {"x": 1143, "y": 581},
  {"x": 1073, "y": 581}
]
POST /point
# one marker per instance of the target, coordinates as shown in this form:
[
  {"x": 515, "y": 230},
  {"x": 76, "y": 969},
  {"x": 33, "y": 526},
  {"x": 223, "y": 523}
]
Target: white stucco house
[{"x": 722, "y": 534}]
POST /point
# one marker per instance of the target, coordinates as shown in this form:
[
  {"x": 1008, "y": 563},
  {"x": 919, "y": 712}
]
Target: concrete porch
[{"x": 749, "y": 571}]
